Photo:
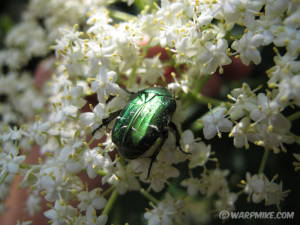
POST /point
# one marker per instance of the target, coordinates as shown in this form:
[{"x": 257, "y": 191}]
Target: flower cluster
[
  {"x": 103, "y": 55},
  {"x": 260, "y": 188}
]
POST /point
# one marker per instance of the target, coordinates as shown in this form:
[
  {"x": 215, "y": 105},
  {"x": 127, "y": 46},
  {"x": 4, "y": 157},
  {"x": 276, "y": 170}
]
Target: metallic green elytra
[{"x": 143, "y": 121}]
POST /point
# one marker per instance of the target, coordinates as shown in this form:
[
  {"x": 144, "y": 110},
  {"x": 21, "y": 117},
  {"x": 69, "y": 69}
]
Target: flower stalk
[
  {"x": 110, "y": 202},
  {"x": 294, "y": 116},
  {"x": 263, "y": 161},
  {"x": 149, "y": 196}
]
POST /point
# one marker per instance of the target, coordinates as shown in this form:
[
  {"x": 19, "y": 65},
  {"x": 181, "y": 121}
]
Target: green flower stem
[
  {"x": 110, "y": 202},
  {"x": 294, "y": 116},
  {"x": 200, "y": 83},
  {"x": 204, "y": 99},
  {"x": 91, "y": 140},
  {"x": 121, "y": 15},
  {"x": 197, "y": 126},
  {"x": 108, "y": 190},
  {"x": 24, "y": 166},
  {"x": 132, "y": 77},
  {"x": 197, "y": 97},
  {"x": 57, "y": 138},
  {"x": 3, "y": 178},
  {"x": 297, "y": 139},
  {"x": 263, "y": 161},
  {"x": 140, "y": 4},
  {"x": 122, "y": 161},
  {"x": 149, "y": 196},
  {"x": 101, "y": 172}
]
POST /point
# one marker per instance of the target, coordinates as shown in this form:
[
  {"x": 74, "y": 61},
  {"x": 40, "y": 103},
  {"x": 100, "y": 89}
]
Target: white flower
[
  {"x": 99, "y": 16},
  {"x": 179, "y": 85},
  {"x": 240, "y": 133},
  {"x": 275, "y": 8},
  {"x": 167, "y": 212},
  {"x": 226, "y": 201},
  {"x": 67, "y": 103},
  {"x": 214, "y": 182},
  {"x": 104, "y": 84},
  {"x": 200, "y": 155},
  {"x": 266, "y": 26},
  {"x": 215, "y": 123},
  {"x": 91, "y": 199},
  {"x": 93, "y": 119},
  {"x": 297, "y": 164},
  {"x": 102, "y": 219},
  {"x": 11, "y": 163},
  {"x": 247, "y": 47},
  {"x": 126, "y": 179},
  {"x": 111, "y": 52},
  {"x": 150, "y": 70},
  {"x": 68, "y": 38},
  {"x": 255, "y": 186},
  {"x": 8, "y": 115},
  {"x": 92, "y": 219},
  {"x": 10, "y": 148},
  {"x": 293, "y": 19},
  {"x": 264, "y": 108},
  {"x": 61, "y": 213},
  {"x": 213, "y": 56},
  {"x": 30, "y": 36},
  {"x": 245, "y": 101},
  {"x": 188, "y": 140},
  {"x": 205, "y": 17},
  {"x": 192, "y": 184},
  {"x": 289, "y": 37},
  {"x": 29, "y": 102},
  {"x": 75, "y": 63},
  {"x": 12, "y": 134},
  {"x": 160, "y": 173},
  {"x": 101, "y": 111},
  {"x": 260, "y": 188},
  {"x": 13, "y": 58},
  {"x": 94, "y": 161},
  {"x": 272, "y": 129},
  {"x": 289, "y": 89},
  {"x": 70, "y": 156},
  {"x": 274, "y": 194},
  {"x": 33, "y": 204},
  {"x": 199, "y": 151},
  {"x": 241, "y": 11},
  {"x": 284, "y": 67},
  {"x": 54, "y": 179},
  {"x": 38, "y": 131}
]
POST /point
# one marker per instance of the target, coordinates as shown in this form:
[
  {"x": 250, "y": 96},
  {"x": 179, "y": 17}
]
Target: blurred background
[{"x": 239, "y": 161}]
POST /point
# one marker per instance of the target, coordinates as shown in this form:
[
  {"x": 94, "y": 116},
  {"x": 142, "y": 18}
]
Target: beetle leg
[
  {"x": 175, "y": 131},
  {"x": 164, "y": 136},
  {"x": 107, "y": 120}
]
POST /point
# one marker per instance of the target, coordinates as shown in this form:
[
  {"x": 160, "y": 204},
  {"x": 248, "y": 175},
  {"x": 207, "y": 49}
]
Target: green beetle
[{"x": 145, "y": 118}]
